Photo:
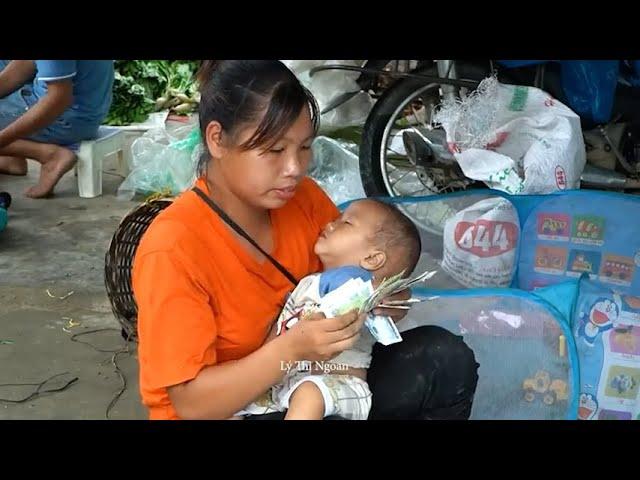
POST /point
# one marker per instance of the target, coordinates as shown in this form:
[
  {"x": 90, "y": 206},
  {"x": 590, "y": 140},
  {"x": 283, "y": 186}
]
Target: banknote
[
  {"x": 359, "y": 295},
  {"x": 383, "y": 329},
  {"x": 351, "y": 295},
  {"x": 390, "y": 287}
]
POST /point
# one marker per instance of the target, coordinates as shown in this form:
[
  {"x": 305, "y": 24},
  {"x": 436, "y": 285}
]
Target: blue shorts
[{"x": 65, "y": 130}]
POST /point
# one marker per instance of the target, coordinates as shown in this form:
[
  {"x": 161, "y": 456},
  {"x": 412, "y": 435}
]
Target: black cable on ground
[
  {"x": 114, "y": 362},
  {"x": 38, "y": 390},
  {"x": 74, "y": 338}
]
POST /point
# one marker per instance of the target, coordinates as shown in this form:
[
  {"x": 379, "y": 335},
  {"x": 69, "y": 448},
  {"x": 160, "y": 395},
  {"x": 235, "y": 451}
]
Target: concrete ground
[{"x": 58, "y": 245}]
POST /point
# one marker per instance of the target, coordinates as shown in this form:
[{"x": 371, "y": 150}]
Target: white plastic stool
[{"x": 91, "y": 154}]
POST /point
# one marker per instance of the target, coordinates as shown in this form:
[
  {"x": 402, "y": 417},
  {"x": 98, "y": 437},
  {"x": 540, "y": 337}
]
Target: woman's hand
[
  {"x": 272, "y": 333},
  {"x": 317, "y": 338},
  {"x": 396, "y": 314}
]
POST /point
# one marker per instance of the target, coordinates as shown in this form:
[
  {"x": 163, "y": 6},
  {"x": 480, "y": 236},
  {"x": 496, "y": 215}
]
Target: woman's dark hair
[{"x": 236, "y": 92}]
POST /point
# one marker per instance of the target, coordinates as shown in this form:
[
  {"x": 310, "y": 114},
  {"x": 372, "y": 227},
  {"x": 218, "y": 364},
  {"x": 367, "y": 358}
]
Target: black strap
[{"x": 242, "y": 233}]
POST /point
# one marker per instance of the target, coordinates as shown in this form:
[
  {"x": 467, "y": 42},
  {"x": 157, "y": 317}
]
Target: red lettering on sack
[{"x": 486, "y": 238}]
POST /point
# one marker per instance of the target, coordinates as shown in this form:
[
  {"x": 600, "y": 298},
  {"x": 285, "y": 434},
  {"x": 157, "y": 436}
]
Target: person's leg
[
  {"x": 63, "y": 131},
  {"x": 13, "y": 165},
  {"x": 11, "y": 108},
  {"x": 326, "y": 395},
  {"x": 306, "y": 403},
  {"x": 55, "y": 161},
  {"x": 431, "y": 374}
]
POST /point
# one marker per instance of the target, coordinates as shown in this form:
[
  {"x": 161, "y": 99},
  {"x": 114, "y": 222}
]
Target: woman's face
[{"x": 261, "y": 177}]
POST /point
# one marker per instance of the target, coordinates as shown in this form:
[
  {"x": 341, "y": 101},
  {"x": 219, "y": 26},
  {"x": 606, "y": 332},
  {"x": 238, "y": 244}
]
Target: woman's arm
[{"x": 219, "y": 391}]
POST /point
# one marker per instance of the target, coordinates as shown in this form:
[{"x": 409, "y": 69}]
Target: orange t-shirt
[{"x": 203, "y": 298}]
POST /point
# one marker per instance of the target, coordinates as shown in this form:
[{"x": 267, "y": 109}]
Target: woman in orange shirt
[{"x": 212, "y": 271}]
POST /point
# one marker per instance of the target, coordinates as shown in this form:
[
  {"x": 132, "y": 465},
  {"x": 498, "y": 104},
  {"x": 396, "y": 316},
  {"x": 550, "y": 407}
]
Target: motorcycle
[{"x": 403, "y": 153}]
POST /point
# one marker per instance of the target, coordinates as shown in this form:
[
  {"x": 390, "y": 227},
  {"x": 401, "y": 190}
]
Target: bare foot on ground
[{"x": 56, "y": 165}]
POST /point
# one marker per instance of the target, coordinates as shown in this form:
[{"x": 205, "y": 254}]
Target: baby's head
[{"x": 373, "y": 235}]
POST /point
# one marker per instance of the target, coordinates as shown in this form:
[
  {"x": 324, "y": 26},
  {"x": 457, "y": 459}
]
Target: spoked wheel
[{"x": 391, "y": 161}]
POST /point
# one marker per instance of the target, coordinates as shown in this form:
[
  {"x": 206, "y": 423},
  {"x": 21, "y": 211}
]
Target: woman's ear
[
  {"x": 374, "y": 260},
  {"x": 213, "y": 139}
]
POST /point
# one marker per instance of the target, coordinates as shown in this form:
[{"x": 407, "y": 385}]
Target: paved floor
[{"x": 58, "y": 244}]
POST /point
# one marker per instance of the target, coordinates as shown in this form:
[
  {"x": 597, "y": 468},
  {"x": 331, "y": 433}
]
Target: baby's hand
[{"x": 395, "y": 314}]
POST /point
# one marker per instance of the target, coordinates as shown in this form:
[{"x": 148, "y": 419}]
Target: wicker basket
[{"x": 118, "y": 263}]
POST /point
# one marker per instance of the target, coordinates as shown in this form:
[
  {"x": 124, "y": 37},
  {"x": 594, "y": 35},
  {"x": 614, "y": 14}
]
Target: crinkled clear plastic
[
  {"x": 336, "y": 168},
  {"x": 328, "y": 85},
  {"x": 470, "y": 122},
  {"x": 163, "y": 162}
]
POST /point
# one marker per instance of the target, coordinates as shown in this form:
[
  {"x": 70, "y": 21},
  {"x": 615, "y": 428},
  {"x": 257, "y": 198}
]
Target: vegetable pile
[{"x": 142, "y": 87}]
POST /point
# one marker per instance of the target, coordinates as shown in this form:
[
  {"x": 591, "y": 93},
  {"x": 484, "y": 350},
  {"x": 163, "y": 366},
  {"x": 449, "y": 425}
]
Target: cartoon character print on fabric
[
  {"x": 588, "y": 407},
  {"x": 601, "y": 318}
]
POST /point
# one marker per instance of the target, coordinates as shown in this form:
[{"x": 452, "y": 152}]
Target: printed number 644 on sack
[{"x": 486, "y": 238}]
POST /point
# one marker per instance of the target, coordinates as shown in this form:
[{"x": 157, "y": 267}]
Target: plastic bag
[
  {"x": 336, "y": 169},
  {"x": 163, "y": 162},
  {"x": 514, "y": 138},
  {"x": 590, "y": 87},
  {"x": 328, "y": 85}
]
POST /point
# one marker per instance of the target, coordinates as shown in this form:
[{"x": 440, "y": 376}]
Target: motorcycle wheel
[{"x": 384, "y": 170}]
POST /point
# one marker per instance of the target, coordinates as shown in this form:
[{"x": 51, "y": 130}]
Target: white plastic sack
[
  {"x": 516, "y": 139},
  {"x": 328, "y": 85},
  {"x": 480, "y": 244}
]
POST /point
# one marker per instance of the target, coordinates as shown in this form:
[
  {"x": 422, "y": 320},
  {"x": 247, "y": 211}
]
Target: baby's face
[{"x": 349, "y": 239}]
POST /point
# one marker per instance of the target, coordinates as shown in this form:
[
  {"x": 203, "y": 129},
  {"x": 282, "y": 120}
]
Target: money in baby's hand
[
  {"x": 352, "y": 296},
  {"x": 361, "y": 296},
  {"x": 349, "y": 296},
  {"x": 391, "y": 286},
  {"x": 383, "y": 329}
]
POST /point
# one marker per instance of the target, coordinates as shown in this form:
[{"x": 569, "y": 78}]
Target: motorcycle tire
[{"x": 380, "y": 115}]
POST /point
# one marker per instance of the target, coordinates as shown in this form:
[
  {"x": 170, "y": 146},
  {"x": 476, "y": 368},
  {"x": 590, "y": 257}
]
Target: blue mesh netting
[
  {"x": 571, "y": 261},
  {"x": 523, "y": 349}
]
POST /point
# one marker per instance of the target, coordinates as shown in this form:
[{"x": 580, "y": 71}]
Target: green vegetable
[
  {"x": 144, "y": 86},
  {"x": 160, "y": 103},
  {"x": 183, "y": 98},
  {"x": 183, "y": 108}
]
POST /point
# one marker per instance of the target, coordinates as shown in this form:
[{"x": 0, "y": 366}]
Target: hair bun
[{"x": 206, "y": 70}]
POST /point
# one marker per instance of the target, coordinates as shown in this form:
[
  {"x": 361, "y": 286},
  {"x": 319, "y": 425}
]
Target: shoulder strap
[{"x": 243, "y": 234}]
